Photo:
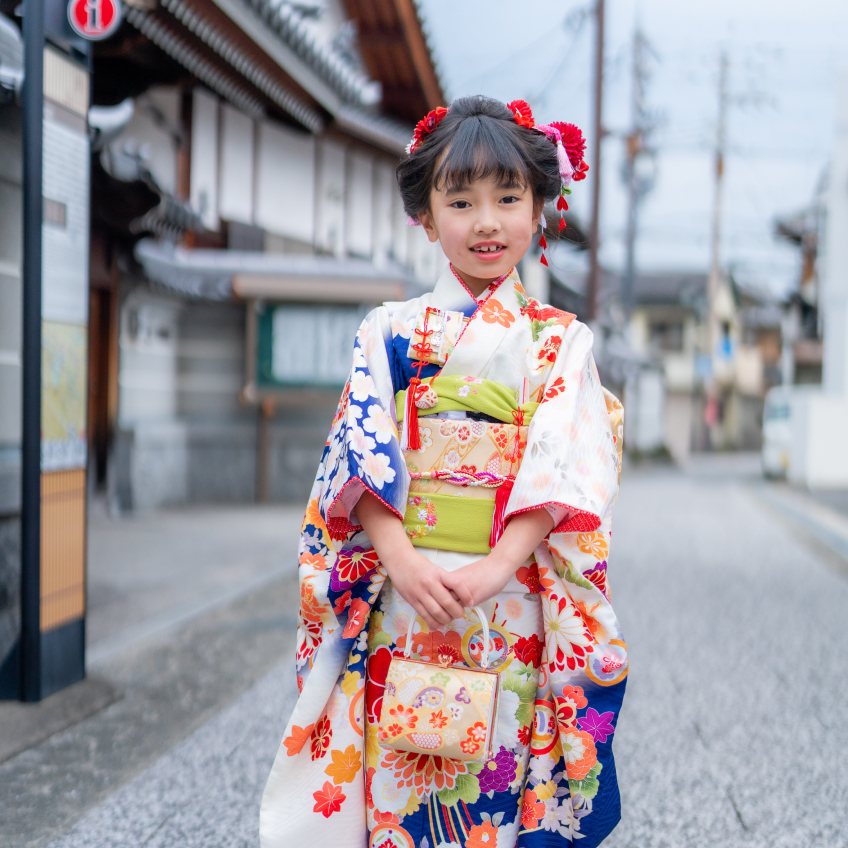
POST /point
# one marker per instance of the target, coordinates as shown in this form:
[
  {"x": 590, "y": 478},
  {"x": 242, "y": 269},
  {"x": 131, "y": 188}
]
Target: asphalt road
[{"x": 735, "y": 725}]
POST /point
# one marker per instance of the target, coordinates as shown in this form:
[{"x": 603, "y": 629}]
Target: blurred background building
[{"x": 244, "y": 219}]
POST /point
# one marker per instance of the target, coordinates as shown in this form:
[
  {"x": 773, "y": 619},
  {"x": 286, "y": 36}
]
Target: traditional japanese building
[{"x": 244, "y": 218}]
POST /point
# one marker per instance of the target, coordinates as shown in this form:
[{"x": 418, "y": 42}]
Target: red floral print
[
  {"x": 328, "y": 800},
  {"x": 532, "y": 810},
  {"x": 322, "y": 735},
  {"x": 529, "y": 651},
  {"x": 357, "y": 617}
]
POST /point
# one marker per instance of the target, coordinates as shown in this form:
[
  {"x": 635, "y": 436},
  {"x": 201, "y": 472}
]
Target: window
[{"x": 667, "y": 335}]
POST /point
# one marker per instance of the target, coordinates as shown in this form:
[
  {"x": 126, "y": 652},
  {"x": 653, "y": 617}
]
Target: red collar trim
[{"x": 488, "y": 292}]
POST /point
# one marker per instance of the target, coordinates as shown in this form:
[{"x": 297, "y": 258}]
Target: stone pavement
[
  {"x": 148, "y": 572},
  {"x": 207, "y": 598},
  {"x": 733, "y": 733}
]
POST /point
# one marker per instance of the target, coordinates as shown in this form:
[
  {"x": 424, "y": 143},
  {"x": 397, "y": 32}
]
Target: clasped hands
[{"x": 441, "y": 596}]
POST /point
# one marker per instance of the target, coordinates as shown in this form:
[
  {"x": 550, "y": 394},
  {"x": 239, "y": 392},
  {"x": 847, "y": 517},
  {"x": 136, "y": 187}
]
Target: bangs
[{"x": 481, "y": 149}]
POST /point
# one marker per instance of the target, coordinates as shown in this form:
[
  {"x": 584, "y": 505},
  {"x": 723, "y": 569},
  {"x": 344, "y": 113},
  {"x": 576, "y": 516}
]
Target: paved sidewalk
[
  {"x": 734, "y": 727},
  {"x": 191, "y": 608},
  {"x": 206, "y": 792},
  {"x": 149, "y": 572}
]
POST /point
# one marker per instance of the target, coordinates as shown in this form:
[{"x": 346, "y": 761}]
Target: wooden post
[{"x": 263, "y": 450}]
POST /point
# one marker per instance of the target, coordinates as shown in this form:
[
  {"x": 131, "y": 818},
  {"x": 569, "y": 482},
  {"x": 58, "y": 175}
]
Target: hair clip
[{"x": 425, "y": 126}]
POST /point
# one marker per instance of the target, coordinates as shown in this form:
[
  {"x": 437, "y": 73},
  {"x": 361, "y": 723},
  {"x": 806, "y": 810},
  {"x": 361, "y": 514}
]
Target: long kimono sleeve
[
  {"x": 570, "y": 463},
  {"x": 363, "y": 451}
]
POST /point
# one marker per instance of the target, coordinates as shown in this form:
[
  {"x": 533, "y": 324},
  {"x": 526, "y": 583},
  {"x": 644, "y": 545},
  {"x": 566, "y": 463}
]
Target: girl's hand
[
  {"x": 421, "y": 583},
  {"x": 418, "y": 581},
  {"x": 479, "y": 581}
]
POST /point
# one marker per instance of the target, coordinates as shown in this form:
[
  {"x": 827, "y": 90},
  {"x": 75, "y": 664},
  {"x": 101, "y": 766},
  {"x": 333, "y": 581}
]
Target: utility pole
[
  {"x": 594, "y": 235},
  {"x": 636, "y": 152},
  {"x": 714, "y": 279},
  {"x": 33, "y": 117},
  {"x": 721, "y": 140}
]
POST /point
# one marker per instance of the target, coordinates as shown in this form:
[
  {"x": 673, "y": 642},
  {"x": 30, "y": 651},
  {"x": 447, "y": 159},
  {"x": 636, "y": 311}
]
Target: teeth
[{"x": 487, "y": 249}]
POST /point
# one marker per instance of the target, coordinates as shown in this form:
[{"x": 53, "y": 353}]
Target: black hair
[{"x": 476, "y": 139}]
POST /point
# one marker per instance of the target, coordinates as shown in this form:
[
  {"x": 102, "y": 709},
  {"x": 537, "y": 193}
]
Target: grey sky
[{"x": 783, "y": 54}]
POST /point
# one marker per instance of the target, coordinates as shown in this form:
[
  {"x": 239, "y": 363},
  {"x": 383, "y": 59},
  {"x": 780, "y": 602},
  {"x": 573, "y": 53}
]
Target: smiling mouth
[{"x": 488, "y": 248}]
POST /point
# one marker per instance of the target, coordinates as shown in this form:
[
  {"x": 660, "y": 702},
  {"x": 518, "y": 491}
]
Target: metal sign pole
[{"x": 33, "y": 117}]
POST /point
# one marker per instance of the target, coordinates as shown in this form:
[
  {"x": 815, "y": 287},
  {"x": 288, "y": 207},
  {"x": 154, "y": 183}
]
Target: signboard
[
  {"x": 94, "y": 19},
  {"x": 64, "y": 299},
  {"x": 305, "y": 346}
]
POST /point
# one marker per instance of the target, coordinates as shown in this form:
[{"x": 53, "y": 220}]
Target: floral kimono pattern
[{"x": 562, "y": 659}]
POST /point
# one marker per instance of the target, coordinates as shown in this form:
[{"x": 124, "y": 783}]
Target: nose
[{"x": 487, "y": 221}]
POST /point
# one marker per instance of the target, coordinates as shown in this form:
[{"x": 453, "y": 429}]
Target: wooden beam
[{"x": 420, "y": 53}]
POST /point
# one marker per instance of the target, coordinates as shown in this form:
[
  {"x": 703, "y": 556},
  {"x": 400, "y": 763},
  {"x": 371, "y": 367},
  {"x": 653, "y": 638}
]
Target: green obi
[
  {"x": 449, "y": 522},
  {"x": 459, "y": 393}
]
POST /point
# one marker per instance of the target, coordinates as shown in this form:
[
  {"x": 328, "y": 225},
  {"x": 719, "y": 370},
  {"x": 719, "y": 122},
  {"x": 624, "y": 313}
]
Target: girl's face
[{"x": 484, "y": 228}]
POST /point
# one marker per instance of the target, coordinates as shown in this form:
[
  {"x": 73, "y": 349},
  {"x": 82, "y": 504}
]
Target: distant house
[
  {"x": 813, "y": 405},
  {"x": 245, "y": 217},
  {"x": 803, "y": 353},
  {"x": 659, "y": 359}
]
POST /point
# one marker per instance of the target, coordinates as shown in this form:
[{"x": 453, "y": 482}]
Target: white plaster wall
[
  {"x": 285, "y": 182},
  {"x": 359, "y": 204},
  {"x": 644, "y": 402},
  {"x": 818, "y": 449},
  {"x": 677, "y": 425},
  {"x": 679, "y": 371},
  {"x": 204, "y": 157},
  {"x": 384, "y": 188},
  {"x": 401, "y": 230},
  {"x": 330, "y": 197},
  {"x": 147, "y": 375},
  {"x": 834, "y": 283},
  {"x": 236, "y": 166}
]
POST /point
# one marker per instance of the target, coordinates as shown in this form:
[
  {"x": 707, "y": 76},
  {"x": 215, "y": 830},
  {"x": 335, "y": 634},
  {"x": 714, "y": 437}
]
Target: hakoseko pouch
[{"x": 440, "y": 708}]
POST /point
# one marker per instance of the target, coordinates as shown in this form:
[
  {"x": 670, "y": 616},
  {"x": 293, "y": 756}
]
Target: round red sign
[{"x": 94, "y": 19}]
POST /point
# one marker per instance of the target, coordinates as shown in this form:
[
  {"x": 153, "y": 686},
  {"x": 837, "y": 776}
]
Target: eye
[
  {"x": 510, "y": 198},
  {"x": 461, "y": 204}
]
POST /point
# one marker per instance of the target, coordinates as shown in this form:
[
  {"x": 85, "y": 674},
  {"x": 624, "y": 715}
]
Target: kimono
[{"x": 509, "y": 394}]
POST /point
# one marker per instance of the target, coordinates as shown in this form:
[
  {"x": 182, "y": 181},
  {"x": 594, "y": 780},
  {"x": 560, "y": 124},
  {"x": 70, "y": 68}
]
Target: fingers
[
  {"x": 449, "y": 603},
  {"x": 436, "y": 610},
  {"x": 455, "y": 582},
  {"x": 431, "y": 622}
]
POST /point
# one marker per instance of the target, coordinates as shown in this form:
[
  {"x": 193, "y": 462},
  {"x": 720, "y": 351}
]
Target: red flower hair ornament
[
  {"x": 521, "y": 113},
  {"x": 425, "y": 126}
]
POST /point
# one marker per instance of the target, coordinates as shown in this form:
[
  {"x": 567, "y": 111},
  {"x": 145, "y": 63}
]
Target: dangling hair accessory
[{"x": 570, "y": 147}]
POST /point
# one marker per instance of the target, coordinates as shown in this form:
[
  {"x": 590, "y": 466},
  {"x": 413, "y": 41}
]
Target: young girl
[{"x": 471, "y": 462}]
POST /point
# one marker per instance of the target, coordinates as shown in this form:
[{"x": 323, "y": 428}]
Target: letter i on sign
[{"x": 94, "y": 19}]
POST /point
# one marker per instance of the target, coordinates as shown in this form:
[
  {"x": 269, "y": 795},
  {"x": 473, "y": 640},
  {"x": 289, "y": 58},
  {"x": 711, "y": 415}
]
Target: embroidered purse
[{"x": 439, "y": 708}]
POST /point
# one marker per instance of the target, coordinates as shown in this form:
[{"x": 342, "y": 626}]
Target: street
[{"x": 734, "y": 728}]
